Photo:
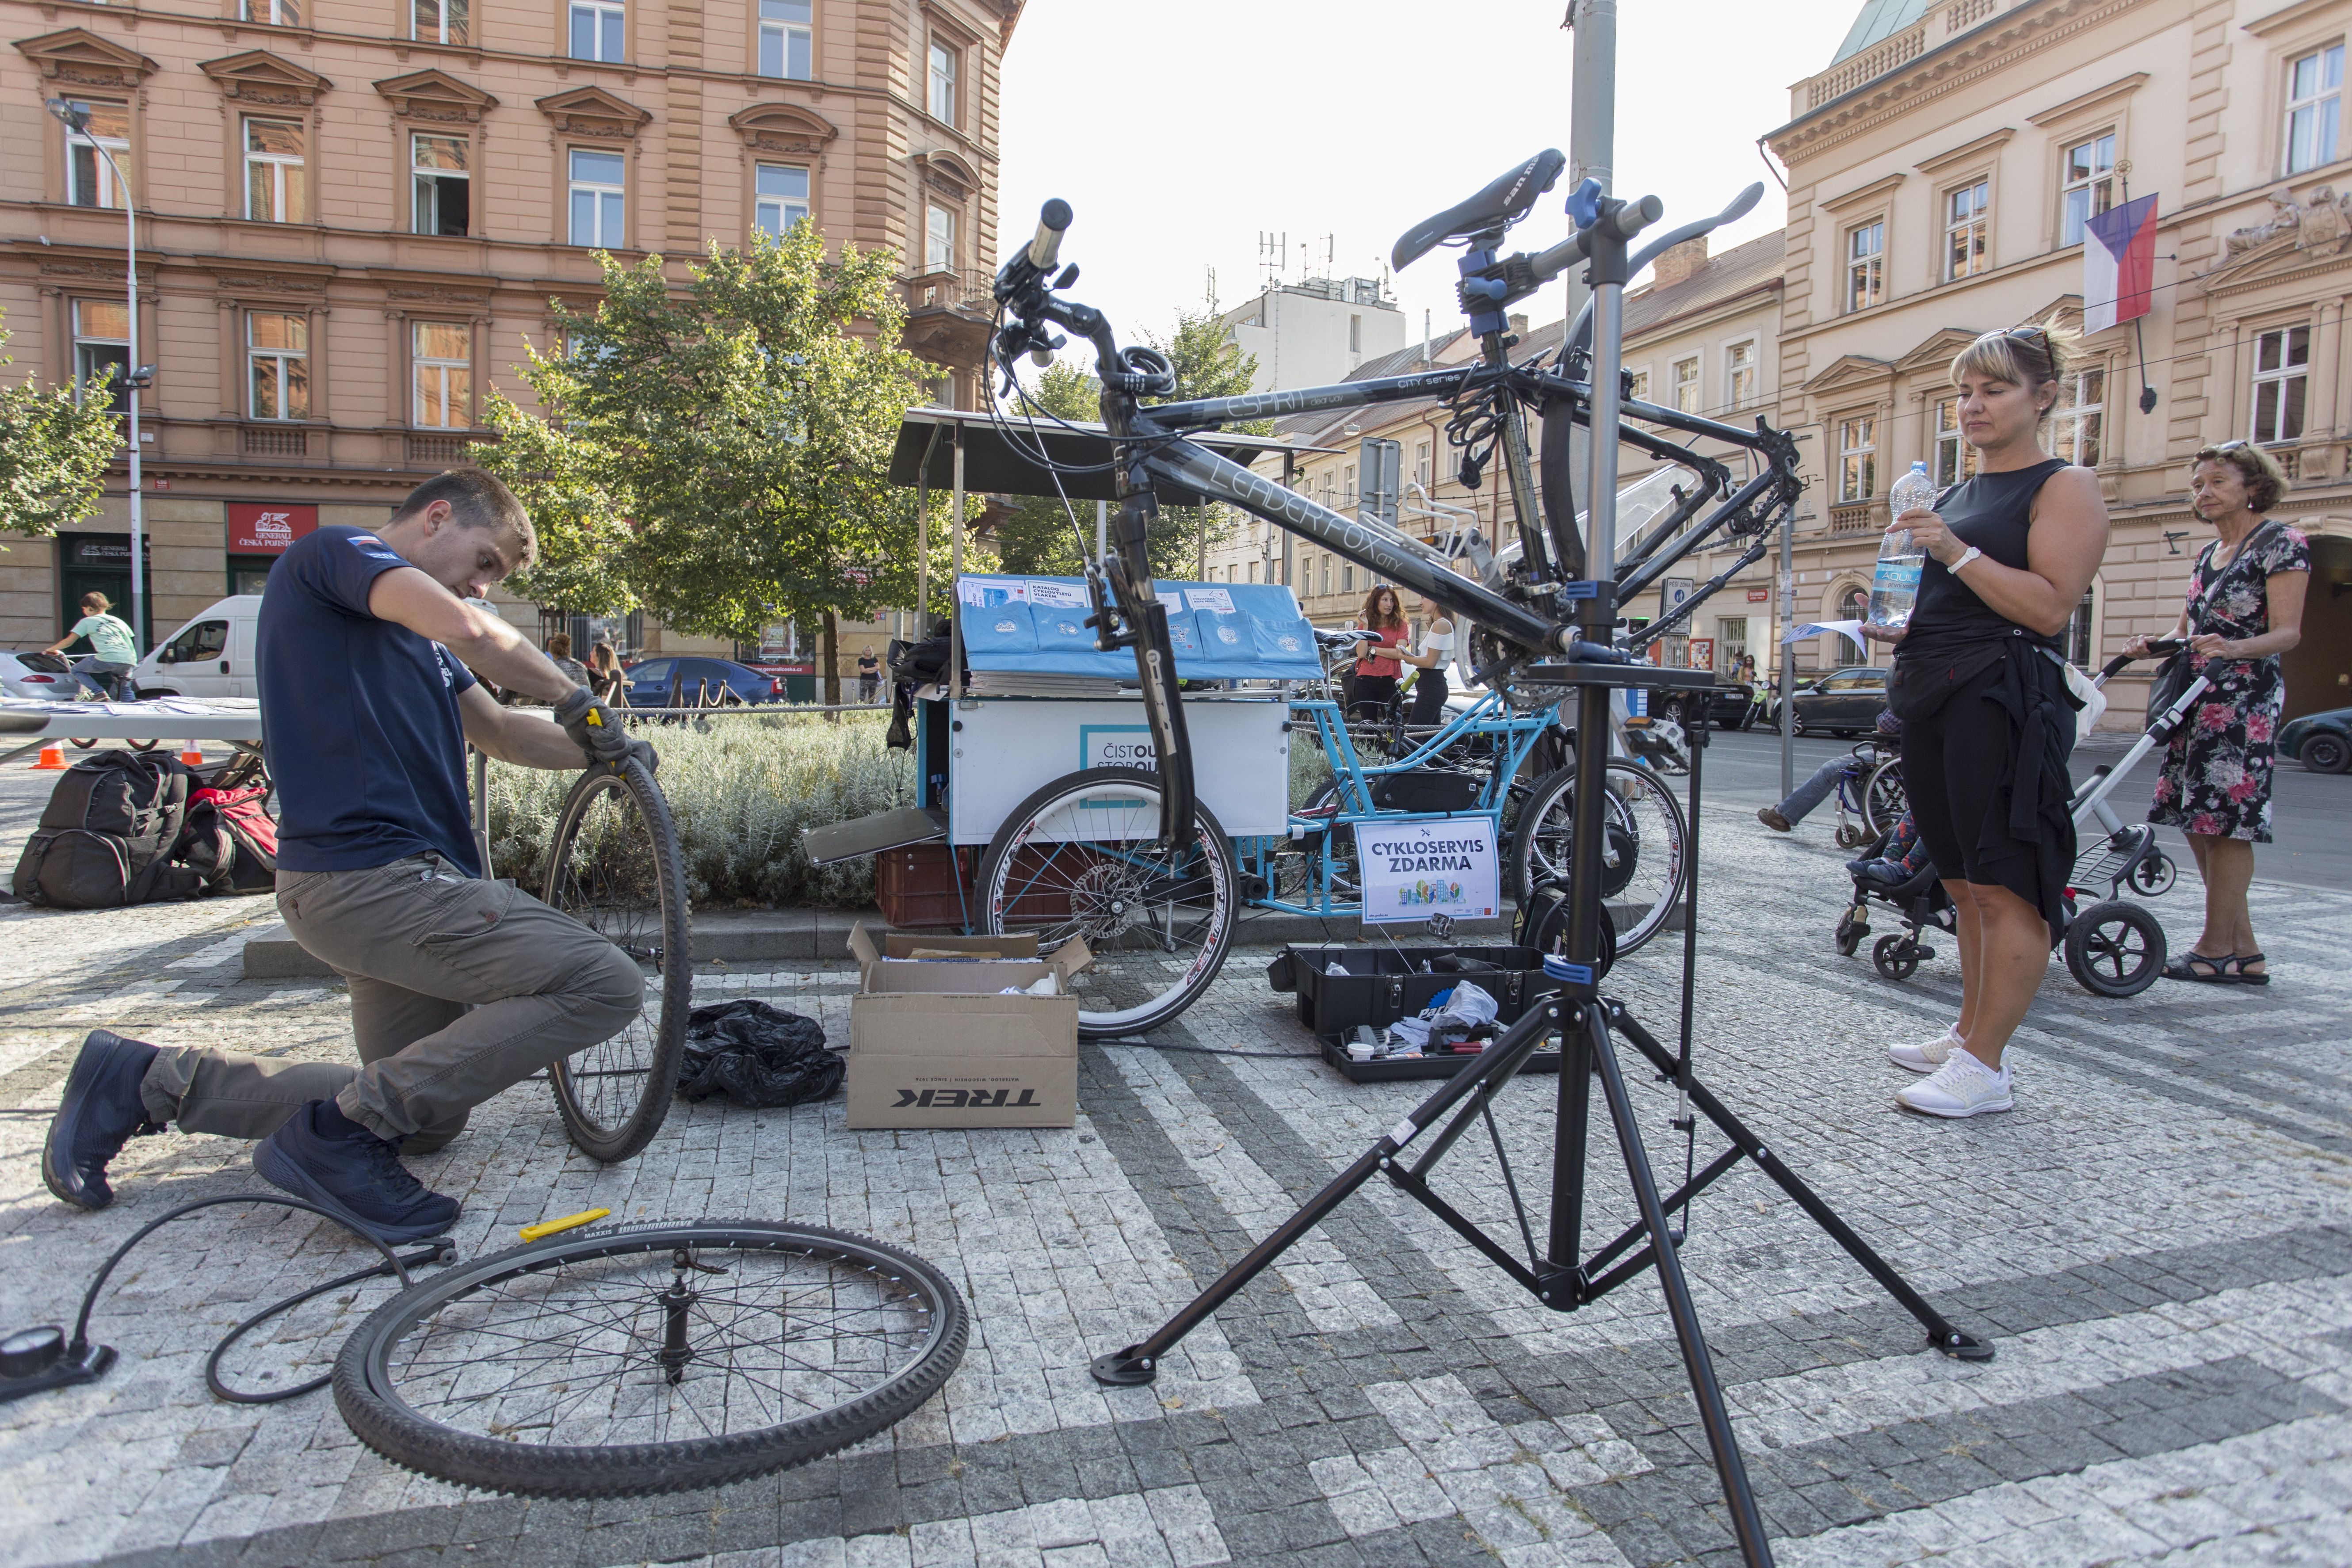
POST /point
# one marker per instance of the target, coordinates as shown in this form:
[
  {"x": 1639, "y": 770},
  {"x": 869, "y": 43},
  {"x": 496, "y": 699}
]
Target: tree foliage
[
  {"x": 720, "y": 455},
  {"x": 1040, "y": 538},
  {"x": 54, "y": 452}
]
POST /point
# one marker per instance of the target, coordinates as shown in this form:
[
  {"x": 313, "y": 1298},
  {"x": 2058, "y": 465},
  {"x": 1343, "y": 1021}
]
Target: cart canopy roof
[
  {"x": 992, "y": 465},
  {"x": 1221, "y": 631}
]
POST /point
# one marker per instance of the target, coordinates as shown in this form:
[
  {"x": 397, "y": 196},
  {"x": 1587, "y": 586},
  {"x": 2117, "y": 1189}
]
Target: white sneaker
[
  {"x": 1928, "y": 1056},
  {"x": 1963, "y": 1086}
]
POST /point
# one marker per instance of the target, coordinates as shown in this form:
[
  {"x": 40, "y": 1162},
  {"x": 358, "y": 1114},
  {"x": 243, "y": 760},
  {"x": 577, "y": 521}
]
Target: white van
[{"x": 211, "y": 656}]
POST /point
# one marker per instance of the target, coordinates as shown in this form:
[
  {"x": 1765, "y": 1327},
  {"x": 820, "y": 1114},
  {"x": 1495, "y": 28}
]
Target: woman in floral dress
[{"x": 2244, "y": 609}]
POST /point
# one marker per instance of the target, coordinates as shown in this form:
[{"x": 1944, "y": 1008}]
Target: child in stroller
[{"x": 1895, "y": 872}]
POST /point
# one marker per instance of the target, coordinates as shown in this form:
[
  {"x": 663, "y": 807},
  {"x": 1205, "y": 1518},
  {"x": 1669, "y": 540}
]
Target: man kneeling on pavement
[{"x": 368, "y": 653}]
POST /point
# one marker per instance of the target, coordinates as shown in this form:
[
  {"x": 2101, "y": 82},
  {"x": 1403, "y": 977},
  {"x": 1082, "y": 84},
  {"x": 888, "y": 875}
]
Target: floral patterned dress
[{"x": 2217, "y": 772}]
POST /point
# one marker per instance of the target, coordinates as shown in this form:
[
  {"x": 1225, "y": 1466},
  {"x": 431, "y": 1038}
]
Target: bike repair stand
[{"x": 1584, "y": 1021}]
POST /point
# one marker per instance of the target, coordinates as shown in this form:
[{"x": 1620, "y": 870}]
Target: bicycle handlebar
[
  {"x": 1053, "y": 220},
  {"x": 1579, "y": 336}
]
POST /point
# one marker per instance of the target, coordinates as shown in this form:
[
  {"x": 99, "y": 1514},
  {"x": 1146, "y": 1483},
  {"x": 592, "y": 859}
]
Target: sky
[{"x": 1179, "y": 133}]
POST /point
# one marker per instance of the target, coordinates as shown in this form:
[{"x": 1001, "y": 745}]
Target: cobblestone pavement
[{"x": 2158, "y": 1240}]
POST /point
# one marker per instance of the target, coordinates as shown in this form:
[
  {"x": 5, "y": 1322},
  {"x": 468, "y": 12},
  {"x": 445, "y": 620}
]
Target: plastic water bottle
[{"x": 1894, "y": 586}]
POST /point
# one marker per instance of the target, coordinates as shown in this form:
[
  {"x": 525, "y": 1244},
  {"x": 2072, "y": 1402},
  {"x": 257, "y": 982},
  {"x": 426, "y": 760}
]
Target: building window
[
  {"x": 940, "y": 239},
  {"x": 273, "y": 171},
  {"x": 1330, "y": 495},
  {"x": 90, "y": 178},
  {"x": 599, "y": 199},
  {"x": 781, "y": 199},
  {"x": 1733, "y": 632},
  {"x": 1686, "y": 384},
  {"x": 1966, "y": 250},
  {"x": 1347, "y": 485},
  {"x": 2281, "y": 362},
  {"x": 1347, "y": 578},
  {"x": 1742, "y": 373},
  {"x": 444, "y": 190},
  {"x": 1857, "y": 458},
  {"x": 276, "y": 12},
  {"x": 599, "y": 31},
  {"x": 2090, "y": 185},
  {"x": 943, "y": 82},
  {"x": 2076, "y": 427},
  {"x": 1865, "y": 265},
  {"x": 442, "y": 359},
  {"x": 1355, "y": 335},
  {"x": 1954, "y": 459},
  {"x": 1421, "y": 464},
  {"x": 277, "y": 365},
  {"x": 102, "y": 343},
  {"x": 2079, "y": 650},
  {"x": 2315, "y": 107},
  {"x": 439, "y": 21},
  {"x": 784, "y": 36}
]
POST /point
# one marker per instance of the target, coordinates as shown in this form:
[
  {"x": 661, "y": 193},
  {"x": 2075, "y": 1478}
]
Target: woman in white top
[{"x": 1429, "y": 688}]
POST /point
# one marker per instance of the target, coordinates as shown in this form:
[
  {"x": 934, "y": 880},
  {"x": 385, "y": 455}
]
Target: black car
[
  {"x": 651, "y": 681},
  {"x": 1843, "y": 703},
  {"x": 1728, "y": 705}
]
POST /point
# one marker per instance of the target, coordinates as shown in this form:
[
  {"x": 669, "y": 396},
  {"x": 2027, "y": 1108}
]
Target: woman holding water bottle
[{"x": 1975, "y": 587}]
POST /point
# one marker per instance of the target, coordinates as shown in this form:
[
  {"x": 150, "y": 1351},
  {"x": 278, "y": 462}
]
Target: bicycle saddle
[{"x": 1503, "y": 203}]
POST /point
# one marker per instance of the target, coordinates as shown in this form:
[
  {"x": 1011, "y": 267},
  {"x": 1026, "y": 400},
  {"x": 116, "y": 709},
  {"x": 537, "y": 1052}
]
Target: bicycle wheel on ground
[
  {"x": 616, "y": 869},
  {"x": 1080, "y": 857},
  {"x": 1643, "y": 838},
  {"x": 659, "y": 1358},
  {"x": 1884, "y": 799}
]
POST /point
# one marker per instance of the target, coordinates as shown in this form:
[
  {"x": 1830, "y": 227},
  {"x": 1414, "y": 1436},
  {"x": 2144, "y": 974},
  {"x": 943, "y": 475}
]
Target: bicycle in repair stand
[{"x": 1547, "y": 629}]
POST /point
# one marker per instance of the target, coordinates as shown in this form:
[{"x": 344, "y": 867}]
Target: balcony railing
[
  {"x": 1891, "y": 54},
  {"x": 273, "y": 441},
  {"x": 438, "y": 448},
  {"x": 1852, "y": 516},
  {"x": 966, "y": 291}
]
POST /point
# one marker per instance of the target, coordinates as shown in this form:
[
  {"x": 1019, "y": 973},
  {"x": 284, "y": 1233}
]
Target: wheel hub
[{"x": 1100, "y": 904}]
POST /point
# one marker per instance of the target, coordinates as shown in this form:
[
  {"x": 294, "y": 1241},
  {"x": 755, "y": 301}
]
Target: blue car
[
  {"x": 2320, "y": 741},
  {"x": 651, "y": 680}
]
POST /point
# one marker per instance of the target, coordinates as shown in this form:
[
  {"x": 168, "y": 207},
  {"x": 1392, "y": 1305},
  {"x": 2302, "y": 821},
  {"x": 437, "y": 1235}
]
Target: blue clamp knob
[
  {"x": 1558, "y": 968},
  {"x": 1584, "y": 203}
]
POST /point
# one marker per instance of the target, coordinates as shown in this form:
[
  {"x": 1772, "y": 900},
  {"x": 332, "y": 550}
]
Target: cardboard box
[{"x": 934, "y": 1042}]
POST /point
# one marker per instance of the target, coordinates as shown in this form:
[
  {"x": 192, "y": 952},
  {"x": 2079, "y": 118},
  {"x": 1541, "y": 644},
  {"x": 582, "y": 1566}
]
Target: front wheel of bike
[
  {"x": 1081, "y": 857},
  {"x": 1643, "y": 838},
  {"x": 615, "y": 868}
]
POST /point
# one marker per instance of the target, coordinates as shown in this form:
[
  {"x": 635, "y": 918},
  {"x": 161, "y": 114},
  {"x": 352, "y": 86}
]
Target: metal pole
[
  {"x": 1788, "y": 620},
  {"x": 482, "y": 810},
  {"x": 1102, "y": 531},
  {"x": 1591, "y": 152},
  {"x": 131, "y": 384},
  {"x": 1289, "y": 477},
  {"x": 955, "y": 575}
]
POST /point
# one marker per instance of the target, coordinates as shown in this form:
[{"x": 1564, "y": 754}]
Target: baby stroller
[{"x": 2114, "y": 947}]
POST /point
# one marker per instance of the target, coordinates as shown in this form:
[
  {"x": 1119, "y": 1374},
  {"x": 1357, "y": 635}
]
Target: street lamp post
[{"x": 75, "y": 118}]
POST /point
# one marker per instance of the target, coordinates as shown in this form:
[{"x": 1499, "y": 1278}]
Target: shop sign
[
  {"x": 1412, "y": 871},
  {"x": 1758, "y": 595},
  {"x": 268, "y": 528},
  {"x": 109, "y": 552}
]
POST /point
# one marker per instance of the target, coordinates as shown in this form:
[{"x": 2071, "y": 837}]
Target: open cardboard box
[{"x": 934, "y": 1043}]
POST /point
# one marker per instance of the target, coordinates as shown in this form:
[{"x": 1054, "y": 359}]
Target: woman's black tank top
[{"x": 1993, "y": 512}]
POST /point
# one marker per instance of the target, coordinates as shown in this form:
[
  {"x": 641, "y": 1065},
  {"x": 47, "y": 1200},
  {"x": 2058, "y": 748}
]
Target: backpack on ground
[
  {"x": 230, "y": 840},
  {"x": 106, "y": 835}
]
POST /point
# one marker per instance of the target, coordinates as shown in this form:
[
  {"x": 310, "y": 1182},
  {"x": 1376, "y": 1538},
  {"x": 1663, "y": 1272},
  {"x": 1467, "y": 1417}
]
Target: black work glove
[{"x": 594, "y": 728}]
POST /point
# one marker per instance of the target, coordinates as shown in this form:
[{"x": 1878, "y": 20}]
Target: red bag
[{"x": 232, "y": 839}]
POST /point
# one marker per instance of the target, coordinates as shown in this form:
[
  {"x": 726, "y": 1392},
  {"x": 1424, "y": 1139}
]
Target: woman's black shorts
[{"x": 1955, "y": 762}]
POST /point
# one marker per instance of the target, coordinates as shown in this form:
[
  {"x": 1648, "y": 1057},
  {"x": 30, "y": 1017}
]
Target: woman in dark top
[
  {"x": 1988, "y": 723},
  {"x": 2244, "y": 609}
]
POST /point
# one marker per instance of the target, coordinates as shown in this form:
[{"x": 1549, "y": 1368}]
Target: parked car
[
  {"x": 2320, "y": 741},
  {"x": 211, "y": 656},
  {"x": 1843, "y": 703},
  {"x": 1727, "y": 705},
  {"x": 44, "y": 676},
  {"x": 650, "y": 682}
]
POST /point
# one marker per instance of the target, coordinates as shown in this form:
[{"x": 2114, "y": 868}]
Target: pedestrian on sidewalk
[
  {"x": 1823, "y": 782},
  {"x": 559, "y": 653},
  {"x": 459, "y": 985},
  {"x": 2244, "y": 609},
  {"x": 116, "y": 651},
  {"x": 1988, "y": 723}
]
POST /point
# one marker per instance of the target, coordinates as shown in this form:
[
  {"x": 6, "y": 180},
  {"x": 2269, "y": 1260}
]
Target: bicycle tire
[
  {"x": 1883, "y": 798},
  {"x": 382, "y": 1375},
  {"x": 1071, "y": 893},
  {"x": 1539, "y": 844},
  {"x": 607, "y": 1116}
]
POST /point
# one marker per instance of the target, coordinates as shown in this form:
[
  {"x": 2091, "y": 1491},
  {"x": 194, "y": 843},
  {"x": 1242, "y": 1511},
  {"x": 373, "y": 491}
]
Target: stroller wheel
[
  {"x": 2115, "y": 949},
  {"x": 1896, "y": 956},
  {"x": 2153, "y": 876},
  {"x": 1851, "y": 928},
  {"x": 1848, "y": 836}
]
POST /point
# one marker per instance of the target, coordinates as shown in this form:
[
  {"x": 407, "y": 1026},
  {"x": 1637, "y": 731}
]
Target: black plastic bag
[{"x": 756, "y": 1056}]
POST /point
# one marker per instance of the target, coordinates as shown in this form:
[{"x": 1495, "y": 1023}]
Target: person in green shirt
[{"x": 109, "y": 638}]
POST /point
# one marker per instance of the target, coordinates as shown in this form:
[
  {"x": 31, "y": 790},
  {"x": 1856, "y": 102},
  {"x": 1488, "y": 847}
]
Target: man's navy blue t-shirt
[{"x": 359, "y": 716}]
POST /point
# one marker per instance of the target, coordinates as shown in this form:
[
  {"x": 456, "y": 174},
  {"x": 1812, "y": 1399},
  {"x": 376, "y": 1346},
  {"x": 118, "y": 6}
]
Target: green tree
[
  {"x": 1040, "y": 537},
  {"x": 720, "y": 454},
  {"x": 54, "y": 452}
]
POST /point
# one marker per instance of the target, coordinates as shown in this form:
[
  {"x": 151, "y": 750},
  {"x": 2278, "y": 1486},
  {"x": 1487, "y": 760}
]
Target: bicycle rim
[
  {"x": 1078, "y": 859},
  {"x": 1884, "y": 800},
  {"x": 616, "y": 870},
  {"x": 650, "y": 1359},
  {"x": 1641, "y": 828}
]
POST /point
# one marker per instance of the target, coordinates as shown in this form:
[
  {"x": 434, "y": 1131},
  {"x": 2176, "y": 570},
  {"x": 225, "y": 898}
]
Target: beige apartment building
[
  {"x": 352, "y": 215},
  {"x": 1940, "y": 172}
]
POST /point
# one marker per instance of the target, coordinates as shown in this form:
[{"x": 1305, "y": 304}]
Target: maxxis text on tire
[{"x": 367, "y": 1392}]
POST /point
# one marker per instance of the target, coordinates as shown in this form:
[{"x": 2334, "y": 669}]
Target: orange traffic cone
[
  {"x": 52, "y": 756},
  {"x": 192, "y": 754}
]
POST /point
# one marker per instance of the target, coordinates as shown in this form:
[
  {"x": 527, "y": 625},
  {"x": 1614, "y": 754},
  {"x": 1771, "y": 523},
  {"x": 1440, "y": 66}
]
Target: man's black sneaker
[
  {"x": 324, "y": 1157},
  {"x": 100, "y": 1114}
]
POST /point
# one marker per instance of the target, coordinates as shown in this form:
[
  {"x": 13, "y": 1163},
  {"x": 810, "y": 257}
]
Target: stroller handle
[{"x": 2158, "y": 648}]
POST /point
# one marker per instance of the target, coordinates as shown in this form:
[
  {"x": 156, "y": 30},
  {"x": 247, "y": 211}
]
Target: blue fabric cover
[{"x": 1037, "y": 624}]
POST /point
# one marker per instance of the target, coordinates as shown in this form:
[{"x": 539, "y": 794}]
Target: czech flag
[{"x": 2118, "y": 265}]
